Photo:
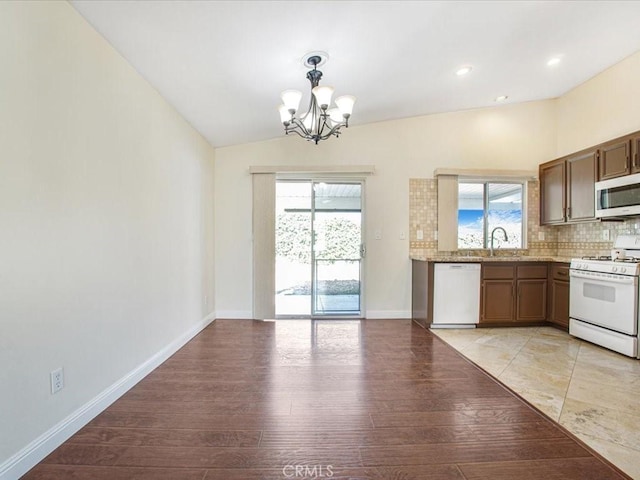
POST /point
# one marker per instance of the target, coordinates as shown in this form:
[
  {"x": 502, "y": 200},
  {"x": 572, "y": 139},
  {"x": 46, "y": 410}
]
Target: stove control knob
[
  {"x": 623, "y": 269},
  {"x": 614, "y": 269}
]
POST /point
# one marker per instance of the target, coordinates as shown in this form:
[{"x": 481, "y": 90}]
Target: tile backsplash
[{"x": 568, "y": 241}]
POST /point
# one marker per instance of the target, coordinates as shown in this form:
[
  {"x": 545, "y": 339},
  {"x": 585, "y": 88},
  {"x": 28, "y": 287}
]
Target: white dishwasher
[{"x": 456, "y": 295}]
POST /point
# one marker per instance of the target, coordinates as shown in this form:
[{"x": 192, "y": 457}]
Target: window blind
[
  {"x": 447, "y": 213},
  {"x": 264, "y": 246}
]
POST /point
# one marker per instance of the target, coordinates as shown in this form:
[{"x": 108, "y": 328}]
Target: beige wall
[
  {"x": 518, "y": 136},
  {"x": 605, "y": 107},
  {"x": 106, "y": 219}
]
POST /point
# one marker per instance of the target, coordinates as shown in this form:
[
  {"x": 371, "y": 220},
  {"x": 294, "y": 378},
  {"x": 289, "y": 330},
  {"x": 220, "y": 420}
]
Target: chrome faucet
[{"x": 506, "y": 239}]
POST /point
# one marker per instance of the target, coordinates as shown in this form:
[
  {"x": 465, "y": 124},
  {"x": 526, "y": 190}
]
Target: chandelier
[{"x": 319, "y": 122}]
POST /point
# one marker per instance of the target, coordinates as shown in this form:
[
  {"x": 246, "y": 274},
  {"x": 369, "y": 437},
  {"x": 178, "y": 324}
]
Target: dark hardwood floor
[{"x": 372, "y": 399}]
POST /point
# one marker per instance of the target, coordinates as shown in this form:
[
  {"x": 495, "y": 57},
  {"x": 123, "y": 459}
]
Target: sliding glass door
[{"x": 318, "y": 248}]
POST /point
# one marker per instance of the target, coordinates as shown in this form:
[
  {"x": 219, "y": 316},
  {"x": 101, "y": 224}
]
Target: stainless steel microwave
[{"x": 618, "y": 197}]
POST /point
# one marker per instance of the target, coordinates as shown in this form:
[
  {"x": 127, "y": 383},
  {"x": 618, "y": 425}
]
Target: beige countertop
[{"x": 478, "y": 259}]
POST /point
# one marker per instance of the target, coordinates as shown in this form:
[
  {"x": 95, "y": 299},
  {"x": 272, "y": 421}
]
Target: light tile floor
[{"x": 593, "y": 392}]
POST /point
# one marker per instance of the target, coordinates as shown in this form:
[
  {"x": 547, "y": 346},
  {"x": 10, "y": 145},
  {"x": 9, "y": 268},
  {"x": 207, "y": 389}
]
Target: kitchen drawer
[
  {"x": 532, "y": 271},
  {"x": 560, "y": 271},
  {"x": 497, "y": 272}
]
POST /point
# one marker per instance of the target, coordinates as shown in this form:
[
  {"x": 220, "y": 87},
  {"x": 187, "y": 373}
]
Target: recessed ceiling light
[
  {"x": 463, "y": 70},
  {"x": 501, "y": 98},
  {"x": 554, "y": 61}
]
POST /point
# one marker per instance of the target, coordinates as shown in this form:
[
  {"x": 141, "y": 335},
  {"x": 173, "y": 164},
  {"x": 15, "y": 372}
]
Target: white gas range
[{"x": 604, "y": 298}]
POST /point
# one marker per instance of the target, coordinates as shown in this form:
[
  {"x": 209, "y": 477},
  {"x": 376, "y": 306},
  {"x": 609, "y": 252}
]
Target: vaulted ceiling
[{"x": 223, "y": 64}]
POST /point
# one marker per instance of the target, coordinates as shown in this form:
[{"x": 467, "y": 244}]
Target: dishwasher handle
[{"x": 462, "y": 266}]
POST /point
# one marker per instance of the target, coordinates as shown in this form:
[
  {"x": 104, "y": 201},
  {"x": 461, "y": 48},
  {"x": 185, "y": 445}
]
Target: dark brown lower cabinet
[
  {"x": 532, "y": 300},
  {"x": 559, "y": 295},
  {"x": 513, "y": 294},
  {"x": 421, "y": 292},
  {"x": 497, "y": 301}
]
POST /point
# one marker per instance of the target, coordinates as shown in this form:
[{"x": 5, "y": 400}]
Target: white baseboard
[
  {"x": 20, "y": 463},
  {"x": 393, "y": 314},
  {"x": 235, "y": 314},
  {"x": 377, "y": 314}
]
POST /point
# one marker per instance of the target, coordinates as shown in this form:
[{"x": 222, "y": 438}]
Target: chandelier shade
[
  {"x": 291, "y": 100},
  {"x": 345, "y": 104},
  {"x": 323, "y": 96},
  {"x": 319, "y": 122}
]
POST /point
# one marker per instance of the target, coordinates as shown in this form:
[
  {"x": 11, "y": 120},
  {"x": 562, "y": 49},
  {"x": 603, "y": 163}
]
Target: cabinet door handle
[{"x": 568, "y": 212}]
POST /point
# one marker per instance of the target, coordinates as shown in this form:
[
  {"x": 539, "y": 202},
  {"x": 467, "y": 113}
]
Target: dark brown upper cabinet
[
  {"x": 552, "y": 192},
  {"x": 635, "y": 153},
  {"x": 567, "y": 188},
  {"x": 615, "y": 159},
  {"x": 567, "y": 184},
  {"x": 581, "y": 179}
]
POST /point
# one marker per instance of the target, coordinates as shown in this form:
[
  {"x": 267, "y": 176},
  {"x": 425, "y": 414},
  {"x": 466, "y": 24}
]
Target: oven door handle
[{"x": 602, "y": 277}]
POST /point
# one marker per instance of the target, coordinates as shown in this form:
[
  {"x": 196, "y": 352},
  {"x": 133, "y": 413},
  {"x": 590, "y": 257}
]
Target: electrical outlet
[
  {"x": 541, "y": 236},
  {"x": 57, "y": 380},
  {"x": 401, "y": 235},
  {"x": 377, "y": 234},
  {"x": 605, "y": 234},
  {"x": 420, "y": 235}
]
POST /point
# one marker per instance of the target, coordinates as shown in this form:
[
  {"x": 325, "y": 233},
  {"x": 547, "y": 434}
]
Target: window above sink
[{"x": 486, "y": 207}]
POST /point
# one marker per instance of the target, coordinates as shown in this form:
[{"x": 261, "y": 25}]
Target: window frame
[{"x": 485, "y": 206}]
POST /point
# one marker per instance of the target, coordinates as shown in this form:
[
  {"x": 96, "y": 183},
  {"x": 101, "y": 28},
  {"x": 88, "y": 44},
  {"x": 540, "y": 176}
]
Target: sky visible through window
[{"x": 504, "y": 210}]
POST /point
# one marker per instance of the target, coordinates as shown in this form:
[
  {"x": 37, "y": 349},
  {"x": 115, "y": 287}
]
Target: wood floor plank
[
  {"x": 556, "y": 469},
  {"x": 487, "y": 416},
  {"x": 423, "y": 435},
  {"x": 371, "y": 399},
  {"x": 229, "y": 422},
  {"x": 424, "y": 472},
  {"x": 202, "y": 457},
  {"x": 375, "y": 405},
  {"x": 83, "y": 472},
  {"x": 165, "y": 438},
  {"x": 471, "y": 452},
  {"x": 279, "y": 406}
]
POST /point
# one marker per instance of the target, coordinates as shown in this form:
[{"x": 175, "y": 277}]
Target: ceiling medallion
[{"x": 319, "y": 122}]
